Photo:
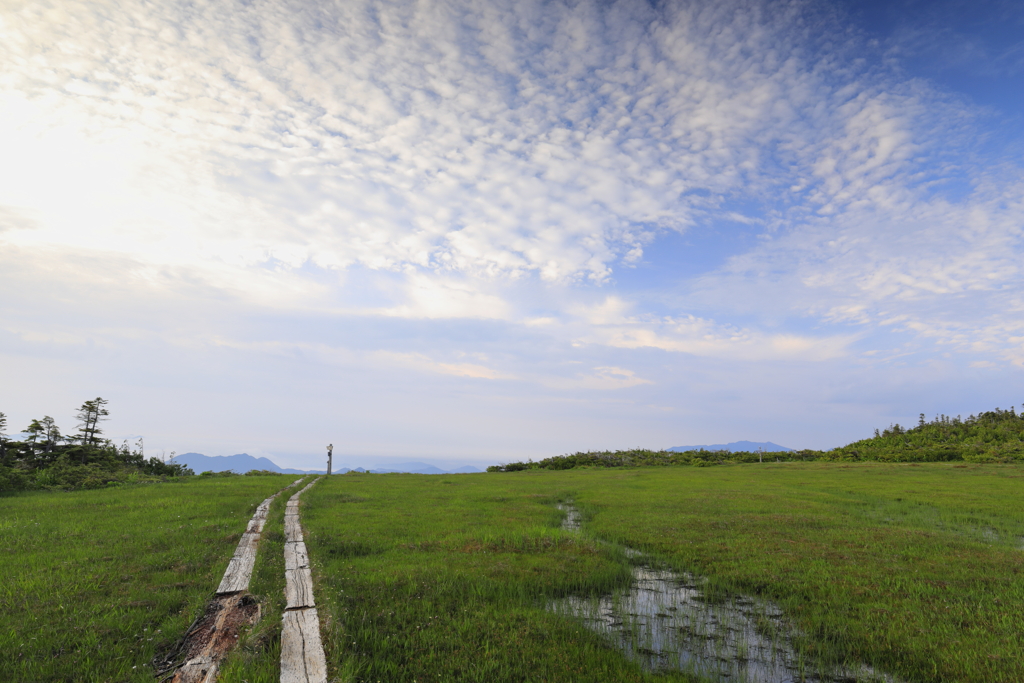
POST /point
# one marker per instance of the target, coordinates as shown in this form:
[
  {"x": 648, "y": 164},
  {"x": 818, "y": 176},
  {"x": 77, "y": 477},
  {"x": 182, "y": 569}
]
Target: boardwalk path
[
  {"x": 302, "y": 652},
  {"x": 214, "y": 633}
]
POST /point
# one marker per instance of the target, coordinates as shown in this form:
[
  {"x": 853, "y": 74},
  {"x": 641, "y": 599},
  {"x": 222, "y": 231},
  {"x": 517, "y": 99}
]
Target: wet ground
[{"x": 665, "y": 621}]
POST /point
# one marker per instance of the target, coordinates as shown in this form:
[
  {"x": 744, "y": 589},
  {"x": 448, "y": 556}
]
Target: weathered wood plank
[
  {"x": 295, "y": 556},
  {"x": 247, "y": 544},
  {"x": 302, "y": 652},
  {"x": 292, "y": 529},
  {"x": 216, "y": 632},
  {"x": 239, "y": 571},
  {"x": 234, "y": 579},
  {"x": 257, "y": 522},
  {"x": 298, "y": 588}
]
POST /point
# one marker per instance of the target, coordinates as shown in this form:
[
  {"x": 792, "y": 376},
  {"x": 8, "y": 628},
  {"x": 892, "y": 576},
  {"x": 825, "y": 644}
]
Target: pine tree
[
  {"x": 50, "y": 432},
  {"x": 34, "y": 430},
  {"x": 89, "y": 416}
]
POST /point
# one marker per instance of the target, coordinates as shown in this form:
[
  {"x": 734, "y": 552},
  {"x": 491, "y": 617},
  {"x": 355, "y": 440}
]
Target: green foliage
[
  {"x": 90, "y": 414},
  {"x": 12, "y": 479},
  {"x": 649, "y": 458},
  {"x": 993, "y": 436},
  {"x": 46, "y": 460}
]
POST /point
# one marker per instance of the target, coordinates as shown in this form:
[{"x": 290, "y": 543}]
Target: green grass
[
  {"x": 93, "y": 584},
  {"x": 443, "y": 579},
  {"x": 915, "y": 569}
]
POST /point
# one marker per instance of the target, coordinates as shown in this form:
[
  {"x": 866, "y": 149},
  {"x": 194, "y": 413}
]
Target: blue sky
[{"x": 469, "y": 232}]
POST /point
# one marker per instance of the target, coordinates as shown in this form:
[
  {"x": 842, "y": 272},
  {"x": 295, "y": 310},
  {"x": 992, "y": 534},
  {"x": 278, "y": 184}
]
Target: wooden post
[{"x": 330, "y": 457}]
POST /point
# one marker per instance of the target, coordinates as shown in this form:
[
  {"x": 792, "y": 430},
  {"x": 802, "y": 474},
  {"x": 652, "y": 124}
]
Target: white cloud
[
  {"x": 609, "y": 325},
  {"x": 446, "y": 297},
  {"x": 945, "y": 271},
  {"x": 442, "y": 136},
  {"x": 473, "y": 194},
  {"x": 459, "y": 145},
  {"x": 423, "y": 363}
]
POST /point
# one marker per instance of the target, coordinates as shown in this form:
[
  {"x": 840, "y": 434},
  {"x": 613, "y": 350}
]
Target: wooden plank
[
  {"x": 234, "y": 578},
  {"x": 239, "y": 571},
  {"x": 247, "y": 544},
  {"x": 295, "y": 556},
  {"x": 231, "y": 609},
  {"x": 298, "y": 588},
  {"x": 302, "y": 652},
  {"x": 292, "y": 529},
  {"x": 259, "y": 518}
]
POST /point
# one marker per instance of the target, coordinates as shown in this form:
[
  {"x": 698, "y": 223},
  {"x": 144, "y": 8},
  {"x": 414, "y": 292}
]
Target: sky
[{"x": 477, "y": 231}]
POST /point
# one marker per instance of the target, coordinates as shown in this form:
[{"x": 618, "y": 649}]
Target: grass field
[
  {"x": 94, "y": 583},
  {"x": 917, "y": 570}
]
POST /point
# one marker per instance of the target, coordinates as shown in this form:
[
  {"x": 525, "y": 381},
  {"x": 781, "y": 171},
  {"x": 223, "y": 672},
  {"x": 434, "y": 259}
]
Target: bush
[
  {"x": 12, "y": 479},
  {"x": 993, "y": 436}
]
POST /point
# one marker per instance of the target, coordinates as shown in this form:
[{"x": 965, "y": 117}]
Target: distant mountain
[
  {"x": 409, "y": 467},
  {"x": 465, "y": 469},
  {"x": 243, "y": 462},
  {"x": 240, "y": 464},
  {"x": 423, "y": 468},
  {"x": 735, "y": 446}
]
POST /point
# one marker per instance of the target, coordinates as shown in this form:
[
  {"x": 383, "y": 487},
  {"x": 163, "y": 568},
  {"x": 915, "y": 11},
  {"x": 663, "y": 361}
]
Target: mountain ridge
[
  {"x": 240, "y": 463},
  {"x": 736, "y": 447}
]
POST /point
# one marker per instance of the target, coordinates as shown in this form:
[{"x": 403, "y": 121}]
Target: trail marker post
[{"x": 330, "y": 456}]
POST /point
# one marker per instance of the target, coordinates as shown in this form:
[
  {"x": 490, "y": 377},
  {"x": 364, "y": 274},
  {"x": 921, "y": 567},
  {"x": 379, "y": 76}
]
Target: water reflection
[
  {"x": 665, "y": 621},
  {"x": 572, "y": 516}
]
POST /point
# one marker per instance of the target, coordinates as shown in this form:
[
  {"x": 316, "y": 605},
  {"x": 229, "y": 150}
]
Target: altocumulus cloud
[{"x": 516, "y": 164}]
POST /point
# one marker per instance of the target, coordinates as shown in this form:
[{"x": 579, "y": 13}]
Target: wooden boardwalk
[
  {"x": 302, "y": 652},
  {"x": 216, "y": 632}
]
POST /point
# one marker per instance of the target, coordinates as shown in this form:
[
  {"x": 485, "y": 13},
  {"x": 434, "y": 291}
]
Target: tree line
[
  {"x": 45, "y": 458},
  {"x": 991, "y": 436}
]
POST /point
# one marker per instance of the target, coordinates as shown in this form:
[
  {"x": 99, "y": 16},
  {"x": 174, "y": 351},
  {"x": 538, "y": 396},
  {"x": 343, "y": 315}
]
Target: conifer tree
[
  {"x": 90, "y": 415},
  {"x": 50, "y": 432},
  {"x": 34, "y": 429}
]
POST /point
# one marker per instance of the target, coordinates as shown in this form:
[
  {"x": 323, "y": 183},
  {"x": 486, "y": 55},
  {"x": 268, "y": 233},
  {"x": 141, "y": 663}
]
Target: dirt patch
[{"x": 198, "y": 654}]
